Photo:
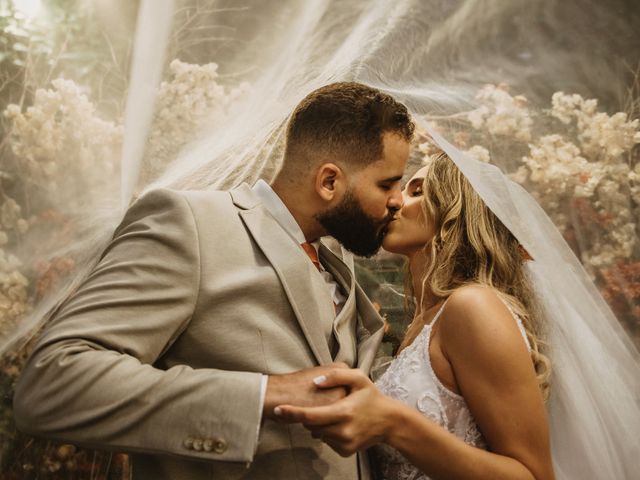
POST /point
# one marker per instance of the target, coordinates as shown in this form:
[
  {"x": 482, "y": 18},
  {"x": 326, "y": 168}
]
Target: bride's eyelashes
[{"x": 414, "y": 188}]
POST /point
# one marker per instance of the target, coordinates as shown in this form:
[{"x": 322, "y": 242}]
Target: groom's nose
[{"x": 396, "y": 200}]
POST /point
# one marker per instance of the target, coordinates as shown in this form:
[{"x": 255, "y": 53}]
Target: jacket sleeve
[{"x": 91, "y": 379}]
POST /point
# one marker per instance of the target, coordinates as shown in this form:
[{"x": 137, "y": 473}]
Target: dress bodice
[{"x": 410, "y": 379}]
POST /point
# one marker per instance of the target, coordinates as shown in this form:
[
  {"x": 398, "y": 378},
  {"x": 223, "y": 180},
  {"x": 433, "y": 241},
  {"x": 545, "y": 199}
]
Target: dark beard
[{"x": 353, "y": 228}]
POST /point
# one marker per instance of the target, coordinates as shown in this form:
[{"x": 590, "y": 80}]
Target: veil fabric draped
[
  {"x": 433, "y": 55},
  {"x": 594, "y": 406}
]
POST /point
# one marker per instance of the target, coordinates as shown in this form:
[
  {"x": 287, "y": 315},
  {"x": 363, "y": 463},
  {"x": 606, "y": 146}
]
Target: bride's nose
[{"x": 405, "y": 198}]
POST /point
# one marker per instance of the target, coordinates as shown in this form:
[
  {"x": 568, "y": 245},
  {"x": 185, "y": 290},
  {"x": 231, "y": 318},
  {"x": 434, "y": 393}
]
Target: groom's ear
[{"x": 330, "y": 181}]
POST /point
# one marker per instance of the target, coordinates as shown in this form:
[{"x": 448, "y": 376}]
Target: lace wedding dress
[{"x": 410, "y": 379}]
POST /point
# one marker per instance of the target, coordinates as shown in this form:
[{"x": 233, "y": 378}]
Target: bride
[{"x": 475, "y": 391}]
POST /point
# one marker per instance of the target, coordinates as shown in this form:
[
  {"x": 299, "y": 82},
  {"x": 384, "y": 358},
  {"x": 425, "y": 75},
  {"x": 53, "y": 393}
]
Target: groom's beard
[{"x": 353, "y": 228}]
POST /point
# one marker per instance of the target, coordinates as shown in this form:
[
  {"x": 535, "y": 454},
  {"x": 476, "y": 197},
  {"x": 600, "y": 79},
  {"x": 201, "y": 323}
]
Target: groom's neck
[{"x": 301, "y": 208}]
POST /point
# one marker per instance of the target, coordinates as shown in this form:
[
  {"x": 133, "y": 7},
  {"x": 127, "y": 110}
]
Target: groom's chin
[
  {"x": 361, "y": 249},
  {"x": 364, "y": 252}
]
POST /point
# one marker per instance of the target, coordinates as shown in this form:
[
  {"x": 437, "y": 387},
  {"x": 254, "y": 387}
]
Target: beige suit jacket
[{"x": 160, "y": 351}]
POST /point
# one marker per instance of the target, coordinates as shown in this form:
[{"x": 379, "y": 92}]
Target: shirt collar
[{"x": 279, "y": 211}]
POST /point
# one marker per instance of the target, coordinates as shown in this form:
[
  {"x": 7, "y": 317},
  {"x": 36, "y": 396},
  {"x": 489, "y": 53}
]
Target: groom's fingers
[
  {"x": 289, "y": 414},
  {"x": 311, "y": 416},
  {"x": 353, "y": 378},
  {"x": 339, "y": 365}
]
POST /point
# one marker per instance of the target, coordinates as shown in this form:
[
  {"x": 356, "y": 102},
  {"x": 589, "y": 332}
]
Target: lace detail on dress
[{"x": 411, "y": 379}]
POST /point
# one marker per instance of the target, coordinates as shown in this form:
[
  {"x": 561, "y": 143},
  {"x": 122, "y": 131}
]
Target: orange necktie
[{"x": 312, "y": 254}]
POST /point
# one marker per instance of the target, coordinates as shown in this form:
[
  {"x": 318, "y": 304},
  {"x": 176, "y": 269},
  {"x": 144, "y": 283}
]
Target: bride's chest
[{"x": 410, "y": 380}]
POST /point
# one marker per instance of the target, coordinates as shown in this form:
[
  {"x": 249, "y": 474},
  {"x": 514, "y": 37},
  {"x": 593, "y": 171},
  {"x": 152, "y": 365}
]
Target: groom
[{"x": 208, "y": 309}]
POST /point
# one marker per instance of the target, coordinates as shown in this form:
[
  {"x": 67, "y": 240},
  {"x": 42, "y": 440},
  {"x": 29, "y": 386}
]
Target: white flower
[
  {"x": 608, "y": 135},
  {"x": 565, "y": 107},
  {"x": 520, "y": 175},
  {"x": 428, "y": 148},
  {"x": 9, "y": 213},
  {"x": 22, "y": 225},
  {"x": 501, "y": 113},
  {"x": 477, "y": 117},
  {"x": 191, "y": 98},
  {"x": 479, "y": 153},
  {"x": 62, "y": 142},
  {"x": 12, "y": 111},
  {"x": 5, "y": 302},
  {"x": 16, "y": 278}
]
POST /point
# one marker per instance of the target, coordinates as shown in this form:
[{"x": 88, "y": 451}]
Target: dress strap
[
  {"x": 523, "y": 331},
  {"x": 438, "y": 313}
]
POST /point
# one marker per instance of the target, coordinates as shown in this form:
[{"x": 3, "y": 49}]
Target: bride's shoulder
[
  {"x": 475, "y": 315},
  {"x": 471, "y": 298}
]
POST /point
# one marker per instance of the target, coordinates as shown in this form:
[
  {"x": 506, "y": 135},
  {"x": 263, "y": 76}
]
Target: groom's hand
[{"x": 298, "y": 389}]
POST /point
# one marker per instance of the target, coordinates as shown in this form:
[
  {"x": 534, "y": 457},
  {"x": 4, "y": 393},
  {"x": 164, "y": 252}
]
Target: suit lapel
[
  {"x": 368, "y": 330},
  {"x": 337, "y": 268},
  {"x": 310, "y": 306},
  {"x": 344, "y": 325}
]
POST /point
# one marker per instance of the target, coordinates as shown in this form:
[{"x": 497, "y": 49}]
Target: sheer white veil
[
  {"x": 433, "y": 55},
  {"x": 594, "y": 407}
]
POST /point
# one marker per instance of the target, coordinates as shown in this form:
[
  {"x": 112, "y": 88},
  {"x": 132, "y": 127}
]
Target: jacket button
[
  {"x": 219, "y": 446},
  {"x": 188, "y": 443},
  {"x": 208, "y": 445},
  {"x": 197, "y": 444}
]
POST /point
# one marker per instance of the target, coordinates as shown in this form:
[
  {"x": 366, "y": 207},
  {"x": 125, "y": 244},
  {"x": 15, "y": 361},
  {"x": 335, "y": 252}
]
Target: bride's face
[{"x": 410, "y": 230}]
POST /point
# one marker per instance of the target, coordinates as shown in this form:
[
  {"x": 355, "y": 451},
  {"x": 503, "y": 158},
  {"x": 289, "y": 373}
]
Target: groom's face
[{"x": 360, "y": 220}]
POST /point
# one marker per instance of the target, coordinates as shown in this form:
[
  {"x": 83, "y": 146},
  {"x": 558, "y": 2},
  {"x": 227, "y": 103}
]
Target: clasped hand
[{"x": 357, "y": 421}]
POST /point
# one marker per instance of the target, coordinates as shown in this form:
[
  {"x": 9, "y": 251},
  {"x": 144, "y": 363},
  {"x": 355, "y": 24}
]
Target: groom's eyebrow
[{"x": 397, "y": 178}]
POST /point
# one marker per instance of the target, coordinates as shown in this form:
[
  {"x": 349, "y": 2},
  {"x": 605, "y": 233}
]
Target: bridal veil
[{"x": 251, "y": 61}]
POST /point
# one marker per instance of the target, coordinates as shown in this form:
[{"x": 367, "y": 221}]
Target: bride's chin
[{"x": 392, "y": 247}]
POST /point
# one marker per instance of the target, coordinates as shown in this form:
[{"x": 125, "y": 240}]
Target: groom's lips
[{"x": 385, "y": 228}]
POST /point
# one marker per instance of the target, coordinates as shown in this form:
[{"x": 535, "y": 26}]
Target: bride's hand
[{"x": 356, "y": 422}]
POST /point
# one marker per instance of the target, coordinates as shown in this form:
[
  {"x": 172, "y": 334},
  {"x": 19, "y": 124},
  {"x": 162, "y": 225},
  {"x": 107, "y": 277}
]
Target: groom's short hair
[{"x": 344, "y": 123}]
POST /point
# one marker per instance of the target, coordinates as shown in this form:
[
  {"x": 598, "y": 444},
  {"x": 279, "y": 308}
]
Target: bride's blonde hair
[{"x": 471, "y": 246}]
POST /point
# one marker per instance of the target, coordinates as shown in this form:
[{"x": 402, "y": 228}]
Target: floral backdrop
[{"x": 60, "y": 139}]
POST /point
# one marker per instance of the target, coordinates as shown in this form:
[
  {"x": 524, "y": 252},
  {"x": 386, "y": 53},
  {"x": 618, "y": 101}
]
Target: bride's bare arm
[{"x": 493, "y": 371}]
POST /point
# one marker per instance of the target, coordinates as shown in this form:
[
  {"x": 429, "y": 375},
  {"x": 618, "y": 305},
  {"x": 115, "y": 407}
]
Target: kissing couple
[{"x": 218, "y": 337}]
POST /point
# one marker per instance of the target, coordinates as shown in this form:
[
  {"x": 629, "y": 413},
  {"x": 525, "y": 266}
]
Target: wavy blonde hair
[{"x": 471, "y": 246}]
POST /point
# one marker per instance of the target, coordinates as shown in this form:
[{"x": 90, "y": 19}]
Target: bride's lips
[{"x": 388, "y": 226}]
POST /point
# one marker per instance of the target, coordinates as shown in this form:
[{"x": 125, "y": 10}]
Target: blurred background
[{"x": 548, "y": 90}]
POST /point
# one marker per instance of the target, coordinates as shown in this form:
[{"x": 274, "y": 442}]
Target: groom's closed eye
[{"x": 389, "y": 183}]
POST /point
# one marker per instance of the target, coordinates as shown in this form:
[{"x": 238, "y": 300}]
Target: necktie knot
[{"x": 311, "y": 252}]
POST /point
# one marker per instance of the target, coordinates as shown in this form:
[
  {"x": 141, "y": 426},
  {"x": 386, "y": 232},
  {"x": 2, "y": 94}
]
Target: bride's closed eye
[
  {"x": 414, "y": 188},
  {"x": 417, "y": 192}
]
